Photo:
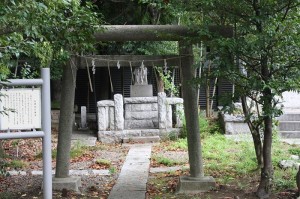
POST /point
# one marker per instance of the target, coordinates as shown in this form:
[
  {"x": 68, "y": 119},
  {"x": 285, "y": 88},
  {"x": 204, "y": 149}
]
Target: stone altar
[{"x": 138, "y": 116}]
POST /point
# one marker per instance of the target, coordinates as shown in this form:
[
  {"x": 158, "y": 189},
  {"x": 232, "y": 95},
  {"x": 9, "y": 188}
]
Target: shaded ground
[
  {"x": 111, "y": 157},
  {"x": 28, "y": 153}
]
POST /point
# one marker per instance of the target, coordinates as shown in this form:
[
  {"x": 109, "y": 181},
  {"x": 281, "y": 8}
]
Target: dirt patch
[{"x": 29, "y": 186}]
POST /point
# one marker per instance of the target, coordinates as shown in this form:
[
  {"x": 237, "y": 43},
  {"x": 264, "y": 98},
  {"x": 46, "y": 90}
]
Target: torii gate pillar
[{"x": 196, "y": 182}]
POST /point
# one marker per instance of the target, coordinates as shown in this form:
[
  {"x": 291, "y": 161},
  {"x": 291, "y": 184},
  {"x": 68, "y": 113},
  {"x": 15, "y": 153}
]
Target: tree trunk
[
  {"x": 66, "y": 120},
  {"x": 207, "y": 98},
  {"x": 254, "y": 129},
  {"x": 2, "y": 153},
  {"x": 264, "y": 188},
  {"x": 190, "y": 94}
]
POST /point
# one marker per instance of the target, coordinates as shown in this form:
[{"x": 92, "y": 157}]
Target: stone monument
[{"x": 141, "y": 88}]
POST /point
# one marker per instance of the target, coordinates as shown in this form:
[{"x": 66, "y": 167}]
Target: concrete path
[{"x": 132, "y": 180}]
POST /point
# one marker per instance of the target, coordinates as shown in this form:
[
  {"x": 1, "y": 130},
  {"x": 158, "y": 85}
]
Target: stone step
[
  {"x": 289, "y": 117},
  {"x": 289, "y": 126},
  {"x": 140, "y": 139},
  {"x": 290, "y": 134}
]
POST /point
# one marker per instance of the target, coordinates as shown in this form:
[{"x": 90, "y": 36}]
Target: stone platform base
[
  {"x": 189, "y": 185},
  {"x": 118, "y": 136},
  {"x": 71, "y": 183}
]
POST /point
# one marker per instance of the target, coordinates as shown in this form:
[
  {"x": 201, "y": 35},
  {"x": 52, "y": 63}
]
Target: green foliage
[
  {"x": 45, "y": 30},
  {"x": 3, "y": 168},
  {"x": 112, "y": 170},
  {"x": 166, "y": 77},
  {"x": 266, "y": 44},
  {"x": 208, "y": 126}
]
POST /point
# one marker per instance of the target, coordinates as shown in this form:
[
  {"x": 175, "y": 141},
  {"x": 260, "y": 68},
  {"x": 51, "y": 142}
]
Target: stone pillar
[
  {"x": 119, "y": 112},
  {"x": 111, "y": 113},
  {"x": 83, "y": 117},
  {"x": 105, "y": 115},
  {"x": 169, "y": 121},
  {"x": 179, "y": 115},
  {"x": 101, "y": 118},
  {"x": 161, "y": 101}
]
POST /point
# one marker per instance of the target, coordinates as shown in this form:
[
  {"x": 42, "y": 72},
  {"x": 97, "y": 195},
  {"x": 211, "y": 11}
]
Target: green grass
[
  {"x": 77, "y": 150},
  {"x": 6, "y": 195},
  {"x": 284, "y": 179},
  {"x": 228, "y": 160},
  {"x": 112, "y": 170},
  {"x": 166, "y": 161},
  {"x": 294, "y": 151},
  {"x": 16, "y": 164},
  {"x": 180, "y": 144},
  {"x": 103, "y": 162}
]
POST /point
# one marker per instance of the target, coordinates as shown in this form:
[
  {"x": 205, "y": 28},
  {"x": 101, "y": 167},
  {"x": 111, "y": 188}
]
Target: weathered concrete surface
[
  {"x": 134, "y": 174},
  {"x": 84, "y": 137},
  {"x": 141, "y": 115},
  {"x": 141, "y": 124},
  {"x": 289, "y": 125},
  {"x": 189, "y": 185},
  {"x": 140, "y": 100},
  {"x": 234, "y": 124},
  {"x": 148, "y": 139},
  {"x": 70, "y": 183},
  {"x": 167, "y": 169},
  {"x": 117, "y": 136}
]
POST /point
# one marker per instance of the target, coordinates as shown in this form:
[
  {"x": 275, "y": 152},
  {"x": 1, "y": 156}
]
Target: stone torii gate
[{"x": 196, "y": 182}]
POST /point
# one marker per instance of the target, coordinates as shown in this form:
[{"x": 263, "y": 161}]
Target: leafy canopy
[
  {"x": 264, "y": 53},
  {"x": 47, "y": 30}
]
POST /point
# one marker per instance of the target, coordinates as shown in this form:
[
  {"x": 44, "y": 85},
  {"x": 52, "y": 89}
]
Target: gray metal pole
[
  {"x": 20, "y": 135},
  {"x": 23, "y": 82},
  {"x": 46, "y": 126}
]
